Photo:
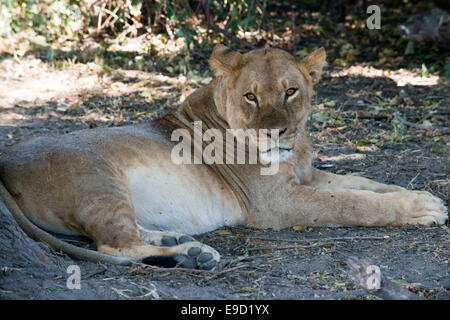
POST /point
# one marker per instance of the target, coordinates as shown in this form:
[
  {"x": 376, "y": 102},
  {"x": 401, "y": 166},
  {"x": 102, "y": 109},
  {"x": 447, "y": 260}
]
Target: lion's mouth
[
  {"x": 275, "y": 154},
  {"x": 277, "y": 148}
]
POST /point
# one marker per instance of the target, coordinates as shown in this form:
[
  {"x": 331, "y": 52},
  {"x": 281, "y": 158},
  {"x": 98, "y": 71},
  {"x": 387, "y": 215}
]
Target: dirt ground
[{"x": 350, "y": 135}]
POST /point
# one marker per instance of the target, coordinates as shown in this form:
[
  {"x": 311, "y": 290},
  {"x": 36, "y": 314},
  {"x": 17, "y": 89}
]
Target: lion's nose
[{"x": 280, "y": 133}]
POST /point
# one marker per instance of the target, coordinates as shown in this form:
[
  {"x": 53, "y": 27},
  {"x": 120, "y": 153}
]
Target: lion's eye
[
  {"x": 290, "y": 92},
  {"x": 251, "y": 97}
]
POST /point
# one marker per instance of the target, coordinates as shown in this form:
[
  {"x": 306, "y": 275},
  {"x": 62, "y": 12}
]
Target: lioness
[{"x": 120, "y": 187}]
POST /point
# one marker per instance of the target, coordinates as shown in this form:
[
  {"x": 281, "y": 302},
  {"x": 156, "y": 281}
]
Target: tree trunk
[{"x": 17, "y": 249}]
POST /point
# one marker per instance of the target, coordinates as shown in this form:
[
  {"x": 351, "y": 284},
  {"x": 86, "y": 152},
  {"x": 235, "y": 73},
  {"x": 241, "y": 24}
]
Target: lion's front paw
[{"x": 421, "y": 207}]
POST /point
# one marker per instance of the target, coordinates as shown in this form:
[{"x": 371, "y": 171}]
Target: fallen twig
[
  {"x": 226, "y": 271},
  {"x": 412, "y": 180},
  {"x": 90, "y": 275},
  {"x": 290, "y": 247},
  {"x": 417, "y": 125},
  {"x": 160, "y": 269},
  {"x": 195, "y": 271},
  {"x": 120, "y": 292},
  {"x": 323, "y": 239},
  {"x": 150, "y": 292},
  {"x": 256, "y": 256},
  {"x": 369, "y": 277}
]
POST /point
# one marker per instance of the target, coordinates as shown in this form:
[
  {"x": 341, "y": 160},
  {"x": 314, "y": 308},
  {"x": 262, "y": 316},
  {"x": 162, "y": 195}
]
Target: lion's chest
[{"x": 180, "y": 198}]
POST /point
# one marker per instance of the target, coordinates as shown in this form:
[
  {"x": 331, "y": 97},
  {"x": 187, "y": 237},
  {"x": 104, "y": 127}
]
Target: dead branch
[
  {"x": 252, "y": 257},
  {"x": 417, "y": 125},
  {"x": 226, "y": 271},
  {"x": 290, "y": 247},
  {"x": 360, "y": 271},
  {"x": 161, "y": 269},
  {"x": 323, "y": 239},
  {"x": 100, "y": 16}
]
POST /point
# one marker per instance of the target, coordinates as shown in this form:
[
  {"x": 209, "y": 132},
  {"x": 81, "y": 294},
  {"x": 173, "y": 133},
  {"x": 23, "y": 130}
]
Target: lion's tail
[{"x": 38, "y": 234}]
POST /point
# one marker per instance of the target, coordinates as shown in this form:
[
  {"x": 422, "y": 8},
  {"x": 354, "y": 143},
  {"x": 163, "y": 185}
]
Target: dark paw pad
[
  {"x": 193, "y": 252},
  {"x": 202, "y": 260},
  {"x": 184, "y": 239},
  {"x": 170, "y": 241},
  {"x": 185, "y": 261},
  {"x": 197, "y": 257},
  {"x": 204, "y": 257},
  {"x": 209, "y": 265}
]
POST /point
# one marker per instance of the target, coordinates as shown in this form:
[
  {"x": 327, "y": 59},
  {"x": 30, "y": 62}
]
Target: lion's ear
[
  {"x": 314, "y": 64},
  {"x": 223, "y": 59}
]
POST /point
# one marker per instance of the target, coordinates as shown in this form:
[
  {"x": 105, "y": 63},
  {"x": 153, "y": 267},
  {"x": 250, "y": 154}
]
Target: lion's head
[{"x": 266, "y": 88}]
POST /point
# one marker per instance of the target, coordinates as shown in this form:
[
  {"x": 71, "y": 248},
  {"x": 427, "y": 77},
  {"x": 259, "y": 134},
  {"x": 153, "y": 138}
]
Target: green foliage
[
  {"x": 398, "y": 130},
  {"x": 238, "y": 13},
  {"x": 24, "y": 24},
  {"x": 38, "y": 22},
  {"x": 446, "y": 73}
]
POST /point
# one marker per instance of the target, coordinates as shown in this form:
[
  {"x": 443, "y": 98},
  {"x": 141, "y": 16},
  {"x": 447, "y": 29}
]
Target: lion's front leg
[
  {"x": 417, "y": 207},
  {"x": 326, "y": 180},
  {"x": 305, "y": 205}
]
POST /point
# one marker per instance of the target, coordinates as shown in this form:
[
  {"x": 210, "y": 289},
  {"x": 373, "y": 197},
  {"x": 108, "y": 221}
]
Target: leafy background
[{"x": 295, "y": 25}]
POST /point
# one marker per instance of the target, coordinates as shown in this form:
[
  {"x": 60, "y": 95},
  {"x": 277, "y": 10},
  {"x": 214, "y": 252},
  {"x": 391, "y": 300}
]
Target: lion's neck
[{"x": 200, "y": 107}]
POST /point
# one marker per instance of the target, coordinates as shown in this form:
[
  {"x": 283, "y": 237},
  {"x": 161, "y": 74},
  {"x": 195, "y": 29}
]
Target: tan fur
[{"x": 81, "y": 183}]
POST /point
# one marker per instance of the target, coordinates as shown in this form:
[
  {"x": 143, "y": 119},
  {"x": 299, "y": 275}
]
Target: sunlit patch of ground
[
  {"x": 30, "y": 83},
  {"x": 31, "y": 80},
  {"x": 147, "y": 42},
  {"x": 401, "y": 77}
]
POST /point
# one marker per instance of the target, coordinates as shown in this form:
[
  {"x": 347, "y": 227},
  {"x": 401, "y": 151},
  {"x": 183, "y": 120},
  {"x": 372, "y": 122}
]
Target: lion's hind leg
[
  {"x": 109, "y": 219},
  {"x": 164, "y": 249},
  {"x": 192, "y": 254}
]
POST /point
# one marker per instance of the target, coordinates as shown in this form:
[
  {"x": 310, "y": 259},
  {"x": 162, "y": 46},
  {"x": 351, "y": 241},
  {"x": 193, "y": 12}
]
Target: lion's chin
[{"x": 275, "y": 155}]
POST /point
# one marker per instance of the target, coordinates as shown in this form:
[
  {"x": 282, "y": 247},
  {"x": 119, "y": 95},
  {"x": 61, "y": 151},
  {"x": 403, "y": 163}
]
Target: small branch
[
  {"x": 323, "y": 239},
  {"x": 418, "y": 126},
  {"x": 121, "y": 292},
  {"x": 90, "y": 275},
  {"x": 412, "y": 180},
  {"x": 359, "y": 271},
  {"x": 100, "y": 16},
  {"x": 193, "y": 271},
  {"x": 246, "y": 258},
  {"x": 225, "y": 271},
  {"x": 111, "y": 15},
  {"x": 290, "y": 247},
  {"x": 160, "y": 269}
]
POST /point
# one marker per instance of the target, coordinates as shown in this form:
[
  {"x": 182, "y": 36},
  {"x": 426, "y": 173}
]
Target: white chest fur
[{"x": 180, "y": 198}]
